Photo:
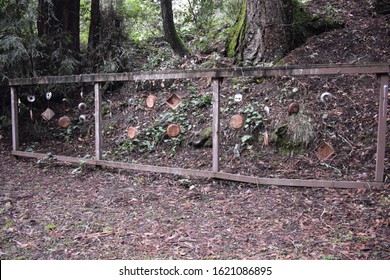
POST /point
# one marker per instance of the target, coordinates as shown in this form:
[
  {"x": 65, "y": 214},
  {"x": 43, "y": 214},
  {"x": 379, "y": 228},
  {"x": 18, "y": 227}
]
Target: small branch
[
  {"x": 348, "y": 142},
  {"x": 322, "y": 220},
  {"x": 329, "y": 166}
]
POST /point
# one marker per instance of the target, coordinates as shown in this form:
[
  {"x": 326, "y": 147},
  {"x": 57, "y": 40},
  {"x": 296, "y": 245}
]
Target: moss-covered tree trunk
[
  {"x": 170, "y": 32},
  {"x": 236, "y": 40},
  {"x": 263, "y": 31}
]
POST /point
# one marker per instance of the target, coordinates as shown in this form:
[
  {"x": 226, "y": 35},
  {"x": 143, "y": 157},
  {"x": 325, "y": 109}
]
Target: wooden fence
[{"x": 381, "y": 70}]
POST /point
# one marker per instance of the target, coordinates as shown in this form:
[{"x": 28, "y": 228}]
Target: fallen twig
[
  {"x": 95, "y": 234},
  {"x": 322, "y": 220},
  {"x": 329, "y": 166},
  {"x": 348, "y": 142}
]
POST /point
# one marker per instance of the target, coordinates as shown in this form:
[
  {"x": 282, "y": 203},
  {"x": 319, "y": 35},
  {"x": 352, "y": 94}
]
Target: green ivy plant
[{"x": 253, "y": 118}]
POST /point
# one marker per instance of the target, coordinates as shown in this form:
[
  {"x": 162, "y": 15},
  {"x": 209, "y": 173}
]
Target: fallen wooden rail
[
  {"x": 381, "y": 70},
  {"x": 201, "y": 173}
]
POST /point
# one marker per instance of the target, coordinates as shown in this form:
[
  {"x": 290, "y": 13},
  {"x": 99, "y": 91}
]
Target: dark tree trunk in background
[
  {"x": 59, "y": 20},
  {"x": 382, "y": 6},
  {"x": 94, "y": 28},
  {"x": 43, "y": 18},
  {"x": 263, "y": 31},
  {"x": 170, "y": 32}
]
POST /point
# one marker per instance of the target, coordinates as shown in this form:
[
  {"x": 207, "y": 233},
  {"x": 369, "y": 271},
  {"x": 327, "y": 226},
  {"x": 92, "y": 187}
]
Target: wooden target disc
[
  {"x": 64, "y": 121},
  {"x": 293, "y": 109},
  {"x": 151, "y": 101},
  {"x": 132, "y": 132},
  {"x": 173, "y": 130},
  {"x": 236, "y": 121}
]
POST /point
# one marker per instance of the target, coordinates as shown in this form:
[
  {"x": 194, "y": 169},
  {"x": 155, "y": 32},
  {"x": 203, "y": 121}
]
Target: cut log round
[
  {"x": 132, "y": 132},
  {"x": 236, "y": 121},
  {"x": 293, "y": 109},
  {"x": 151, "y": 101},
  {"x": 173, "y": 130},
  {"x": 64, "y": 121}
]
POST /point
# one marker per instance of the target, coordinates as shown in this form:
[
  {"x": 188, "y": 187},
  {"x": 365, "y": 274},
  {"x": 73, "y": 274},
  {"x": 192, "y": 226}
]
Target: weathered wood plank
[
  {"x": 156, "y": 169},
  {"x": 293, "y": 182},
  {"x": 98, "y": 123},
  {"x": 210, "y": 73},
  {"x": 14, "y": 119},
  {"x": 382, "y": 127},
  {"x": 216, "y": 123},
  {"x": 73, "y": 160},
  {"x": 120, "y": 165},
  {"x": 204, "y": 173}
]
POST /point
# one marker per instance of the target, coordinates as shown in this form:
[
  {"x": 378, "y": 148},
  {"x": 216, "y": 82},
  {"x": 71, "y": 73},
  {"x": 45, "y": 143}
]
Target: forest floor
[{"x": 51, "y": 210}]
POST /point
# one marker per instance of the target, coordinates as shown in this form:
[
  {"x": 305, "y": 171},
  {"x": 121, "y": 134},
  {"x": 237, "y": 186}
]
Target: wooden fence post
[
  {"x": 216, "y": 82},
  {"x": 381, "y": 138},
  {"x": 98, "y": 123},
  {"x": 14, "y": 119}
]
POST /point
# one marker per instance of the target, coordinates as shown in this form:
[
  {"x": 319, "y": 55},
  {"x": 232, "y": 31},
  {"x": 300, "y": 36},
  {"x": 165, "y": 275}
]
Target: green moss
[
  {"x": 306, "y": 25},
  {"x": 289, "y": 147},
  {"x": 260, "y": 138},
  {"x": 7, "y": 225},
  {"x": 203, "y": 138},
  {"x": 300, "y": 21},
  {"x": 280, "y": 62},
  {"x": 207, "y": 134},
  {"x": 50, "y": 227},
  {"x": 237, "y": 32}
]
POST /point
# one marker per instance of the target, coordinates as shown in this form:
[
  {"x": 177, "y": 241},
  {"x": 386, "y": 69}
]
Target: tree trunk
[
  {"x": 60, "y": 20},
  {"x": 94, "y": 27},
  {"x": 382, "y": 6},
  {"x": 73, "y": 25},
  {"x": 263, "y": 31},
  {"x": 170, "y": 32}
]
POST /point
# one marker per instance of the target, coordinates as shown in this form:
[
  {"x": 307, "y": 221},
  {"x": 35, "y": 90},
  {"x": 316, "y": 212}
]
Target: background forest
[
  {"x": 50, "y": 37},
  {"x": 41, "y": 38}
]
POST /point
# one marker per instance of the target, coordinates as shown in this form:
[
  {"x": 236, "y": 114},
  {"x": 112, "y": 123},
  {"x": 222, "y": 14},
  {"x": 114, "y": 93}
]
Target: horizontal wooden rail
[
  {"x": 202, "y": 173},
  {"x": 289, "y": 70}
]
